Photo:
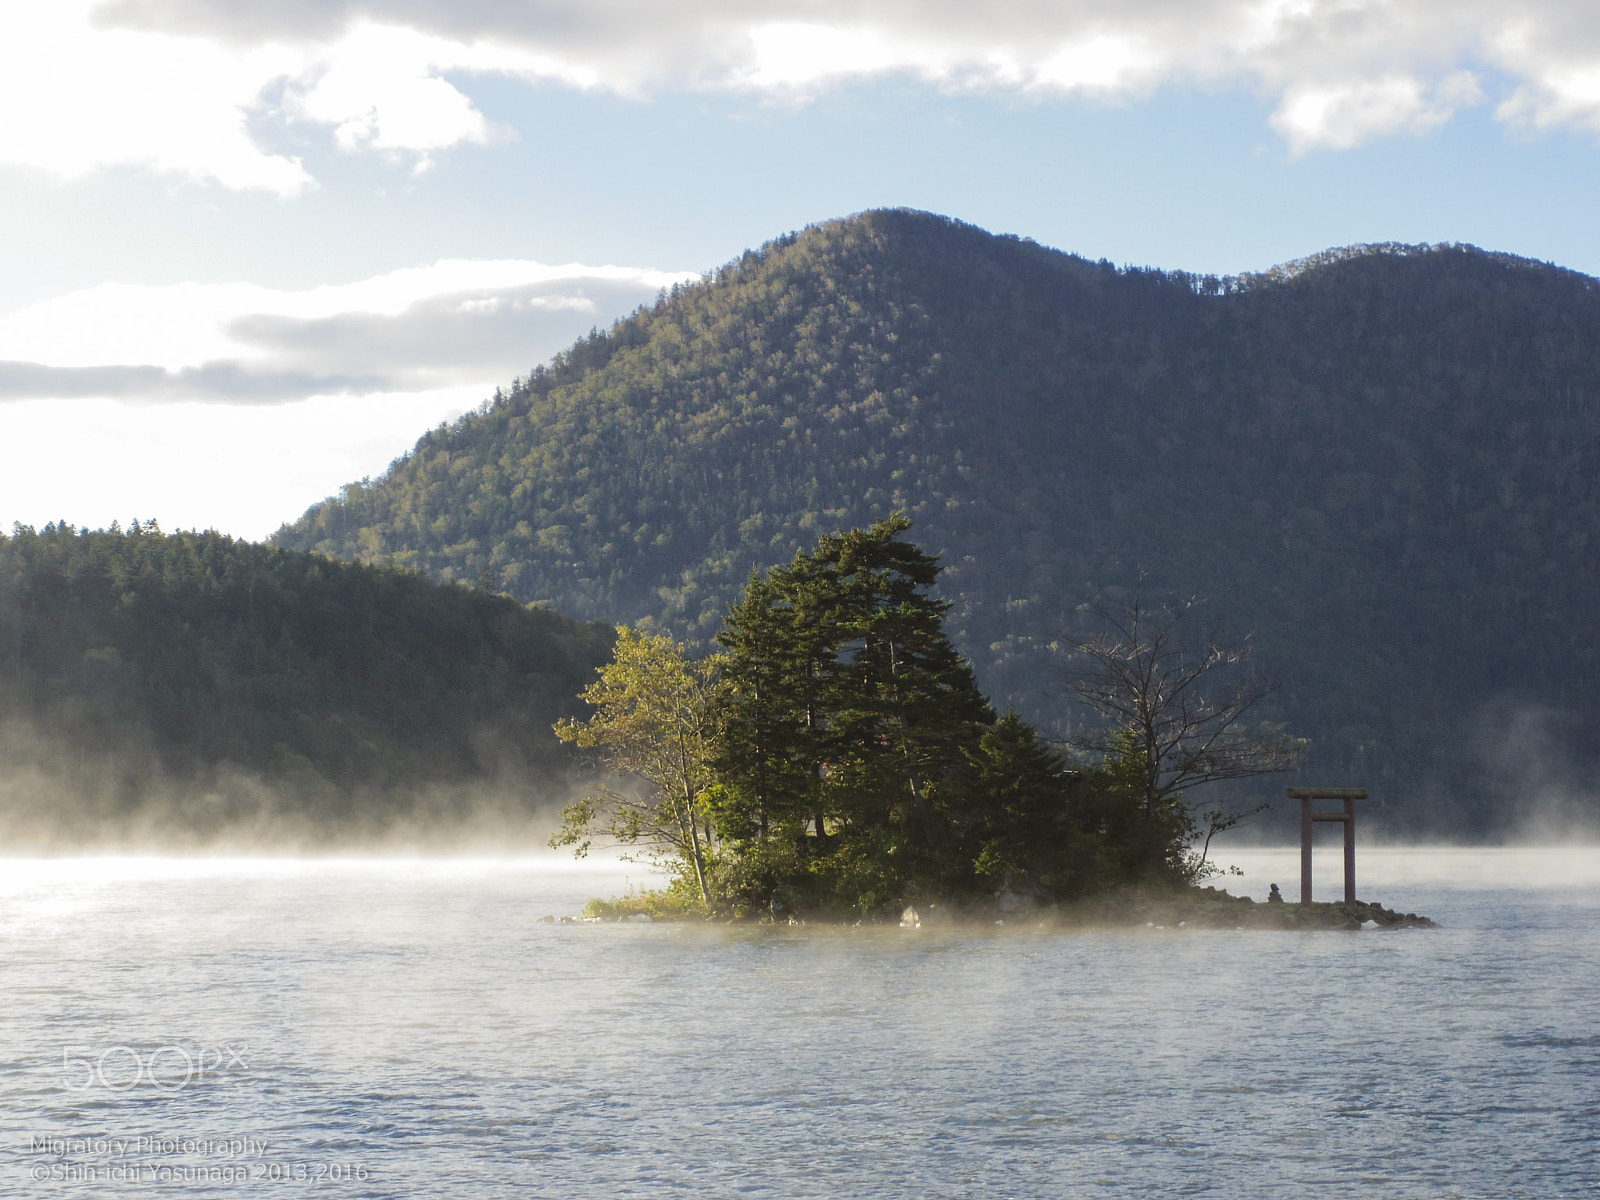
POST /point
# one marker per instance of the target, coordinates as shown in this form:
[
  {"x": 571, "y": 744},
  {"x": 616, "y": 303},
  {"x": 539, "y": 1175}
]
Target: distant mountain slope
[
  {"x": 1382, "y": 462},
  {"x": 189, "y": 683}
]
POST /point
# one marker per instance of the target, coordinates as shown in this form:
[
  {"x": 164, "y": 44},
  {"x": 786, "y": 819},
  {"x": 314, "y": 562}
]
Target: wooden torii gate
[{"x": 1307, "y": 817}]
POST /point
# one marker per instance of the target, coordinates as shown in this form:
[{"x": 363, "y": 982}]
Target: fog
[
  {"x": 1540, "y": 779},
  {"x": 57, "y": 799}
]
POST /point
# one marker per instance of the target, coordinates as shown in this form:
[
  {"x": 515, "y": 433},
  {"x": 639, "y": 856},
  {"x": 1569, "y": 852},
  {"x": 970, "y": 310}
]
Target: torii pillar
[{"x": 1307, "y": 818}]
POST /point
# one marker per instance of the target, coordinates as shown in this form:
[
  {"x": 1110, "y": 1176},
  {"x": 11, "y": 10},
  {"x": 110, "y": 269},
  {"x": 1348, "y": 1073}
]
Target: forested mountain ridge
[
  {"x": 1380, "y": 462},
  {"x": 186, "y": 684}
]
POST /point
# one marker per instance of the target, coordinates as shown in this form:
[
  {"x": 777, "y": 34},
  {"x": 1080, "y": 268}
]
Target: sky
[{"x": 250, "y": 252}]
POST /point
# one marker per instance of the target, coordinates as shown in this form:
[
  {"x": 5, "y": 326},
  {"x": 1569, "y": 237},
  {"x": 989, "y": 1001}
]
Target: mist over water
[
  {"x": 415, "y": 1018},
  {"x": 57, "y": 800}
]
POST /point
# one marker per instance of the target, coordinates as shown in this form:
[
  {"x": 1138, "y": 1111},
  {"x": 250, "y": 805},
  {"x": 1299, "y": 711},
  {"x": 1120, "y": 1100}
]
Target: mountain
[
  {"x": 194, "y": 685},
  {"x": 1380, "y": 463}
]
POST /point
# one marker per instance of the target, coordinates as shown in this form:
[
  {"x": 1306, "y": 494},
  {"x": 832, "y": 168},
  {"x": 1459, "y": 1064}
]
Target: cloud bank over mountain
[{"x": 419, "y": 329}]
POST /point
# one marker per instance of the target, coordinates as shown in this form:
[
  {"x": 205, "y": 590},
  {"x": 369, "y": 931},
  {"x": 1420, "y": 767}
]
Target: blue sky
[{"x": 248, "y": 253}]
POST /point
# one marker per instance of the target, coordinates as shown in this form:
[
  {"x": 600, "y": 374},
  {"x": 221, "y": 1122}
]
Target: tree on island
[
  {"x": 1175, "y": 715},
  {"x": 836, "y": 755},
  {"x": 652, "y": 721},
  {"x": 846, "y": 718},
  {"x": 840, "y": 659}
]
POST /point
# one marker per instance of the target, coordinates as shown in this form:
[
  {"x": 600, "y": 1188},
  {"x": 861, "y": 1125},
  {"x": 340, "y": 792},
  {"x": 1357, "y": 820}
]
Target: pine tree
[
  {"x": 769, "y": 742},
  {"x": 906, "y": 703},
  {"x": 845, "y": 708}
]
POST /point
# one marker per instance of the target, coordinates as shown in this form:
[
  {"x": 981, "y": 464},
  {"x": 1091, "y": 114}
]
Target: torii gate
[{"x": 1348, "y": 816}]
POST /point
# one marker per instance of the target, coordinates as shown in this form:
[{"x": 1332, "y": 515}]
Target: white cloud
[
  {"x": 382, "y": 87},
  {"x": 77, "y": 94},
  {"x": 789, "y": 55},
  {"x": 451, "y": 323},
  {"x": 369, "y": 103},
  {"x": 174, "y": 84},
  {"x": 1345, "y": 115},
  {"x": 1101, "y": 63},
  {"x": 73, "y": 98},
  {"x": 1557, "y": 69}
]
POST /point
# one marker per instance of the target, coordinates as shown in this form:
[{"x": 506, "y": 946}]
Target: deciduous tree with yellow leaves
[{"x": 652, "y": 723}]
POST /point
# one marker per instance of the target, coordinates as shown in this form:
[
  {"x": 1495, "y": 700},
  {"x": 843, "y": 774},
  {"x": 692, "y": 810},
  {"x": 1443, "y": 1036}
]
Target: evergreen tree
[
  {"x": 1026, "y": 832},
  {"x": 845, "y": 708},
  {"x": 905, "y": 703},
  {"x": 769, "y": 742}
]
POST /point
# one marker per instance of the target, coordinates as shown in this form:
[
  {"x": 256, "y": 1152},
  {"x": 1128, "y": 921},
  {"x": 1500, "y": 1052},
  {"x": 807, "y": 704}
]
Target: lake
[{"x": 382, "y": 1027}]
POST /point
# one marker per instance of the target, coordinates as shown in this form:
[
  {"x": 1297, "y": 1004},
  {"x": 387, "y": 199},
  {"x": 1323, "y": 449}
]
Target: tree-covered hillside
[
  {"x": 1380, "y": 462},
  {"x": 147, "y": 676}
]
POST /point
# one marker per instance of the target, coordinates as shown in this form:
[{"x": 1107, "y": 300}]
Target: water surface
[{"x": 388, "y": 1027}]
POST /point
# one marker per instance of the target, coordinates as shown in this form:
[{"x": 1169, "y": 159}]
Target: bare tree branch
[{"x": 1179, "y": 712}]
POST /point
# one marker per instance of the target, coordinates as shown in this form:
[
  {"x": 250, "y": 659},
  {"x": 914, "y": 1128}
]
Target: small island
[{"x": 835, "y": 760}]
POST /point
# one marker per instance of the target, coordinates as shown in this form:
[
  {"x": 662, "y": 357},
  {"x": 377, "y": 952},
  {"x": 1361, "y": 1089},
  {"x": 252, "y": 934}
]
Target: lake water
[{"x": 226, "y": 1027}]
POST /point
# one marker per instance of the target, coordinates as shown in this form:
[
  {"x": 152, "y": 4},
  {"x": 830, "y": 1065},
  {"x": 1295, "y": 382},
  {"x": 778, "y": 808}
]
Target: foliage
[
  {"x": 839, "y": 662},
  {"x": 841, "y": 757},
  {"x": 171, "y": 657},
  {"x": 672, "y": 902},
  {"x": 845, "y": 714},
  {"x": 1378, "y": 461},
  {"x": 652, "y": 721},
  {"x": 1033, "y": 825}
]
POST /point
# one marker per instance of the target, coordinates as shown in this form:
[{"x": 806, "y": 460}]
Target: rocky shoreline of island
[
  {"x": 1126, "y": 908},
  {"x": 1215, "y": 908}
]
